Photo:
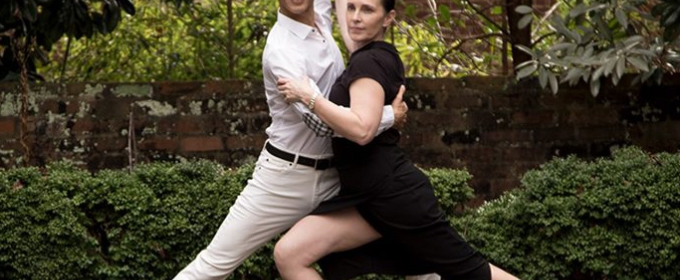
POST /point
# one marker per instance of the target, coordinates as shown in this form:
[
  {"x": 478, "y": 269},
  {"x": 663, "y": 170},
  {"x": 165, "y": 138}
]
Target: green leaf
[
  {"x": 578, "y": 10},
  {"x": 410, "y": 11},
  {"x": 595, "y": 87},
  {"x": 632, "y": 41},
  {"x": 620, "y": 66},
  {"x": 526, "y": 71},
  {"x": 523, "y": 9},
  {"x": 542, "y": 77},
  {"x": 498, "y": 10},
  {"x": 561, "y": 46},
  {"x": 672, "y": 18},
  {"x": 597, "y": 73},
  {"x": 638, "y": 63},
  {"x": 527, "y": 50},
  {"x": 573, "y": 75},
  {"x": 609, "y": 65},
  {"x": 621, "y": 17},
  {"x": 525, "y": 21},
  {"x": 445, "y": 14},
  {"x": 553, "y": 82}
]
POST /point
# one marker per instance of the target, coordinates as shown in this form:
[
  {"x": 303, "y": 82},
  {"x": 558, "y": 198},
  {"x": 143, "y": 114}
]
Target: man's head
[{"x": 299, "y": 10}]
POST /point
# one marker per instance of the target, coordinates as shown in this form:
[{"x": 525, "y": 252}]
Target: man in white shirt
[{"x": 294, "y": 171}]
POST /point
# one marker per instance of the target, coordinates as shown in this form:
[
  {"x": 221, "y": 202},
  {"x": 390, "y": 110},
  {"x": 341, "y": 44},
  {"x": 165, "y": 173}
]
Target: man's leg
[{"x": 279, "y": 194}]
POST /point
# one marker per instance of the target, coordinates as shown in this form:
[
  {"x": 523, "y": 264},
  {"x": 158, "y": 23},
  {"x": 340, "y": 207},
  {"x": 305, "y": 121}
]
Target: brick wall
[{"x": 497, "y": 129}]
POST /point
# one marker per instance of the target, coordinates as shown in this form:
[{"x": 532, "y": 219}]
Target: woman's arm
[{"x": 358, "y": 124}]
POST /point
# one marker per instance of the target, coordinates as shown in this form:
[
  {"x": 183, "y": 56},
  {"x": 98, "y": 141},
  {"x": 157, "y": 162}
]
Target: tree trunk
[{"x": 518, "y": 36}]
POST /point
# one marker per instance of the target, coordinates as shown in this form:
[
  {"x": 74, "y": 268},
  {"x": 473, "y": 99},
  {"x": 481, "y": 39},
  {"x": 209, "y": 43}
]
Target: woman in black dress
[{"x": 383, "y": 194}]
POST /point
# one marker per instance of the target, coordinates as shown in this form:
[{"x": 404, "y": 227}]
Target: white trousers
[{"x": 279, "y": 194}]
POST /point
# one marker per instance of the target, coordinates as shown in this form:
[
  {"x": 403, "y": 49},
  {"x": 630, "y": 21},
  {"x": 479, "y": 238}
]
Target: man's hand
[{"x": 400, "y": 108}]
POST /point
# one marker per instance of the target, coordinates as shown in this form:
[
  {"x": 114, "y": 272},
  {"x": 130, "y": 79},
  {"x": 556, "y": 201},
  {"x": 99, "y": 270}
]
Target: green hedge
[
  {"x": 62, "y": 222},
  {"x": 615, "y": 218}
]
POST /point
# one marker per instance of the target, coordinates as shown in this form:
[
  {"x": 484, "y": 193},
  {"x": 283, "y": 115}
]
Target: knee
[{"x": 284, "y": 253}]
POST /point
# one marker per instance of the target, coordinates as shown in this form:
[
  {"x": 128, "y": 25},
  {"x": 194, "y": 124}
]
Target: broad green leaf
[
  {"x": 542, "y": 77},
  {"x": 578, "y": 10},
  {"x": 620, "y": 66},
  {"x": 621, "y": 17},
  {"x": 553, "y": 82},
  {"x": 638, "y": 63},
  {"x": 595, "y": 87},
  {"x": 410, "y": 11},
  {"x": 497, "y": 10},
  {"x": 523, "y": 9},
  {"x": 597, "y": 73},
  {"x": 573, "y": 75},
  {"x": 609, "y": 66},
  {"x": 672, "y": 18},
  {"x": 525, "y": 21},
  {"x": 633, "y": 40},
  {"x": 526, "y": 71},
  {"x": 445, "y": 14},
  {"x": 561, "y": 46},
  {"x": 527, "y": 50}
]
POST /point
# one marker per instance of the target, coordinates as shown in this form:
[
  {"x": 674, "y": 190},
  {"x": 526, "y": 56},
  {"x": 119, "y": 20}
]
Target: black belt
[{"x": 318, "y": 164}]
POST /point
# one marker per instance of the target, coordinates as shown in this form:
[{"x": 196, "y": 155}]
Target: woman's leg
[
  {"x": 500, "y": 274},
  {"x": 316, "y": 236}
]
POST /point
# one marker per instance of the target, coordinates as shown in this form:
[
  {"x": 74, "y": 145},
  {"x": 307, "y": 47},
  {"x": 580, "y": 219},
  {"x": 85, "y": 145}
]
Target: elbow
[{"x": 364, "y": 138}]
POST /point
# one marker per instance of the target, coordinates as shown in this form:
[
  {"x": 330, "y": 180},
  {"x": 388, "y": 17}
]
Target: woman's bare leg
[
  {"x": 316, "y": 236},
  {"x": 499, "y": 274}
]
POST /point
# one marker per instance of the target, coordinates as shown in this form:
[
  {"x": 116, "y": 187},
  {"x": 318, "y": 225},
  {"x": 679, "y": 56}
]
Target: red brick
[
  {"x": 533, "y": 117},
  {"x": 598, "y": 116},
  {"x": 555, "y": 134},
  {"x": 177, "y": 88},
  {"x": 201, "y": 144},
  {"x": 188, "y": 125},
  {"x": 507, "y": 135},
  {"x": 245, "y": 142},
  {"x": 601, "y": 133},
  {"x": 499, "y": 186},
  {"x": 109, "y": 144},
  {"x": 159, "y": 143},
  {"x": 7, "y": 127},
  {"x": 83, "y": 125},
  {"x": 463, "y": 101}
]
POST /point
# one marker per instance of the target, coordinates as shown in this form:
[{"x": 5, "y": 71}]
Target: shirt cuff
[{"x": 387, "y": 120}]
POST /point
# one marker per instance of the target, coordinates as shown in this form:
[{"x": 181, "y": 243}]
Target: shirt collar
[{"x": 299, "y": 29}]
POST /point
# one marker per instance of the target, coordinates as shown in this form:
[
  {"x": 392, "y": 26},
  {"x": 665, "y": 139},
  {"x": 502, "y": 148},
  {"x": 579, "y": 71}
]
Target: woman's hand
[{"x": 295, "y": 90}]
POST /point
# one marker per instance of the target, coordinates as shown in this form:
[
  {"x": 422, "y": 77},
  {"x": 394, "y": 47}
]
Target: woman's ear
[{"x": 389, "y": 18}]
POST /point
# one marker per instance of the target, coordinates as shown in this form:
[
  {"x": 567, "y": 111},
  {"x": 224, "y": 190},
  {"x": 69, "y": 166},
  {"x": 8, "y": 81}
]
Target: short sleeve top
[{"x": 378, "y": 61}]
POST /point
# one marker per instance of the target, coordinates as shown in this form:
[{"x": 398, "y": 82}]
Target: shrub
[
  {"x": 62, "y": 222},
  {"x": 615, "y": 218}
]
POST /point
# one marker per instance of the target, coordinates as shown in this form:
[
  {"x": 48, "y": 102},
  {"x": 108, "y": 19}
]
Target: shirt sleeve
[
  {"x": 292, "y": 66},
  {"x": 323, "y": 8}
]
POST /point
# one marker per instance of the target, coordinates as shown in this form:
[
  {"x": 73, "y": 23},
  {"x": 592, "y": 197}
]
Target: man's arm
[
  {"x": 341, "y": 12},
  {"x": 393, "y": 115}
]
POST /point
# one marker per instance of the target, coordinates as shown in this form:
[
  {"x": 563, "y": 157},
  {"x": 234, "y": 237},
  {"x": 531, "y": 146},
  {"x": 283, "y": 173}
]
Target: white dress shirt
[{"x": 295, "y": 50}]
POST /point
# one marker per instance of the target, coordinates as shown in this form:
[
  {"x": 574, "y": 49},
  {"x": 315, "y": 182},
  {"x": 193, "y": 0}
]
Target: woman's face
[{"x": 367, "y": 20}]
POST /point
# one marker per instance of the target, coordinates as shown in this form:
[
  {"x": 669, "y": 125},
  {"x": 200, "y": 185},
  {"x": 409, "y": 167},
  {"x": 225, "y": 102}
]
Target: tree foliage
[
  {"x": 599, "y": 40},
  {"x": 33, "y": 26},
  {"x": 161, "y": 42}
]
